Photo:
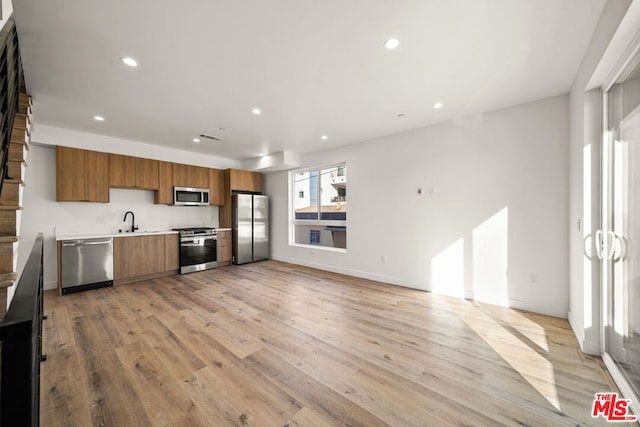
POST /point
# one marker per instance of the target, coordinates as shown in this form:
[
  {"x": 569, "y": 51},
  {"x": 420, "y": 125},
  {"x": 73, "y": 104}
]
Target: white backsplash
[{"x": 95, "y": 218}]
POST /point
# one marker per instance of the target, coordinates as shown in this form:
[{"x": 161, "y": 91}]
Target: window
[{"x": 320, "y": 206}]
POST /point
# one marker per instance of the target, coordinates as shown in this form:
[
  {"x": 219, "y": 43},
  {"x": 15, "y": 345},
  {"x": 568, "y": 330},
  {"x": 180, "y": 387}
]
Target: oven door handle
[{"x": 198, "y": 241}]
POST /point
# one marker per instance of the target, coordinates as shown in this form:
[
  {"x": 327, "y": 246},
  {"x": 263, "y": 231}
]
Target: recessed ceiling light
[
  {"x": 324, "y": 137},
  {"x": 196, "y": 139},
  {"x": 391, "y": 44},
  {"x": 130, "y": 62},
  {"x": 256, "y": 111},
  {"x": 98, "y": 118},
  {"x": 438, "y": 105}
]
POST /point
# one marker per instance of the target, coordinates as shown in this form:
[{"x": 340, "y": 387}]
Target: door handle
[
  {"x": 609, "y": 246},
  {"x": 587, "y": 248},
  {"x": 618, "y": 248},
  {"x": 104, "y": 242},
  {"x": 600, "y": 249}
]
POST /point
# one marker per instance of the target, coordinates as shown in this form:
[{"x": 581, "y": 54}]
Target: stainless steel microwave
[{"x": 188, "y": 196}]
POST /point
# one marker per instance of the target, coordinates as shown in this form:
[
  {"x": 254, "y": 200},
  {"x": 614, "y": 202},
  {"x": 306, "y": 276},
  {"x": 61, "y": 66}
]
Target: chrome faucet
[{"x": 133, "y": 220}]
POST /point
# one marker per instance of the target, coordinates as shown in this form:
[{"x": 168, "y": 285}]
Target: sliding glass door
[{"x": 619, "y": 239}]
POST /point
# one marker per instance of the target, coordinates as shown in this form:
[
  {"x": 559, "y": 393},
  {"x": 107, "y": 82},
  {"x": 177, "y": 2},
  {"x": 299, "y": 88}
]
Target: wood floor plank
[
  {"x": 158, "y": 390},
  {"x": 110, "y": 393},
  {"x": 272, "y": 344},
  {"x": 308, "y": 418},
  {"x": 329, "y": 404},
  {"x": 232, "y": 332}
]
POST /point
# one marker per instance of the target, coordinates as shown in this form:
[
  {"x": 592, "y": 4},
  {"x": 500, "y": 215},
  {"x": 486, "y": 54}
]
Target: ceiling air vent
[{"x": 211, "y": 137}]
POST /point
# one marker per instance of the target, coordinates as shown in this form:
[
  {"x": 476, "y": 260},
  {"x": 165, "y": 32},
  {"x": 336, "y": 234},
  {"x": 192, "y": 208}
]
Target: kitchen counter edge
[{"x": 108, "y": 235}]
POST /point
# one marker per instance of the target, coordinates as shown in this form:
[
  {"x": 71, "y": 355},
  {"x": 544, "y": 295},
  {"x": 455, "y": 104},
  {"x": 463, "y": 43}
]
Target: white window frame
[{"x": 319, "y": 222}]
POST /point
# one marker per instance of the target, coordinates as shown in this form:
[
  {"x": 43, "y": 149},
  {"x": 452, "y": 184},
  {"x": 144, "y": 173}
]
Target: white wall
[
  {"x": 497, "y": 215},
  {"x": 7, "y": 11},
  {"x": 41, "y": 212},
  {"x": 584, "y": 204}
]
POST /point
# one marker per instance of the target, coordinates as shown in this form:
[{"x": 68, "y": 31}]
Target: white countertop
[{"x": 73, "y": 236}]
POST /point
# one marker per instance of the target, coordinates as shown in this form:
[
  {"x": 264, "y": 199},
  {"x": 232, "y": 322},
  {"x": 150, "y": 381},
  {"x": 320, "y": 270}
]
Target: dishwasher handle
[{"x": 81, "y": 243}]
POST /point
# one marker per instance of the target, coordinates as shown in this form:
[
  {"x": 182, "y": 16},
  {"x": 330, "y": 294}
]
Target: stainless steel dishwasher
[{"x": 86, "y": 264}]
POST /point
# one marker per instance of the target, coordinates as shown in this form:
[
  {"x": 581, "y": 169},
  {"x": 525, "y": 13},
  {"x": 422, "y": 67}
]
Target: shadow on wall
[{"x": 489, "y": 259}]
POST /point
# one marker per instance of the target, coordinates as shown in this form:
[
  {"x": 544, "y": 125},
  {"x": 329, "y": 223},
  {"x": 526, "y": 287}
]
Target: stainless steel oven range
[{"x": 198, "y": 249}]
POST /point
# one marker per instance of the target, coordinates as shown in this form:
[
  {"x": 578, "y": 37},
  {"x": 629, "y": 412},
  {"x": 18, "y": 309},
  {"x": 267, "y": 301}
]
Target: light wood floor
[{"x": 271, "y": 344}]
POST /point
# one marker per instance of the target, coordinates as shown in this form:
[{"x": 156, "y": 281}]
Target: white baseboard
[
  {"x": 52, "y": 284},
  {"x": 356, "y": 273},
  {"x": 522, "y": 305},
  {"x": 578, "y": 332}
]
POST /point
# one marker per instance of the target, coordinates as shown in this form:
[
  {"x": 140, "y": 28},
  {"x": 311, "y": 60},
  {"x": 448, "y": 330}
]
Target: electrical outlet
[
  {"x": 383, "y": 259},
  {"x": 533, "y": 277}
]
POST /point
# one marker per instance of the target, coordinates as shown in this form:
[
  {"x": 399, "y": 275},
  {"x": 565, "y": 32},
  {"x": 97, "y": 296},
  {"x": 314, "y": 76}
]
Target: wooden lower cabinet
[
  {"x": 171, "y": 252},
  {"x": 152, "y": 254},
  {"x": 126, "y": 257},
  {"x": 139, "y": 257},
  {"x": 224, "y": 247}
]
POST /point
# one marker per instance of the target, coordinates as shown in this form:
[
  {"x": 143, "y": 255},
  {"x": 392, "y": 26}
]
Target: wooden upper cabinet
[
  {"x": 245, "y": 181},
  {"x": 190, "y": 176},
  {"x": 122, "y": 171},
  {"x": 147, "y": 174},
  {"x": 81, "y": 175},
  {"x": 216, "y": 187},
  {"x": 70, "y": 172},
  {"x": 97, "y": 176},
  {"x": 132, "y": 172},
  {"x": 164, "y": 195}
]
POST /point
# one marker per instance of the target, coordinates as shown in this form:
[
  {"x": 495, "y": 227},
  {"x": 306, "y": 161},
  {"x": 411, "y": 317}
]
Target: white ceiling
[{"x": 312, "y": 67}]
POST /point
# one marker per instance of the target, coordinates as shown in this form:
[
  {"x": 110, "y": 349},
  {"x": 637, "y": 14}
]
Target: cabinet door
[
  {"x": 199, "y": 176},
  {"x": 70, "y": 171},
  {"x": 190, "y": 176},
  {"x": 171, "y": 252},
  {"x": 146, "y": 174},
  {"x": 96, "y": 176},
  {"x": 164, "y": 195},
  {"x": 122, "y": 171},
  {"x": 81, "y": 175},
  {"x": 245, "y": 180},
  {"x": 126, "y": 257},
  {"x": 180, "y": 175},
  {"x": 224, "y": 246},
  {"x": 151, "y": 254},
  {"x": 216, "y": 187}
]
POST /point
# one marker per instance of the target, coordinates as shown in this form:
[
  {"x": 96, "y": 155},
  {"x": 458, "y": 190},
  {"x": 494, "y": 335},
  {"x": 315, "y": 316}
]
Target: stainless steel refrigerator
[{"x": 250, "y": 228}]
